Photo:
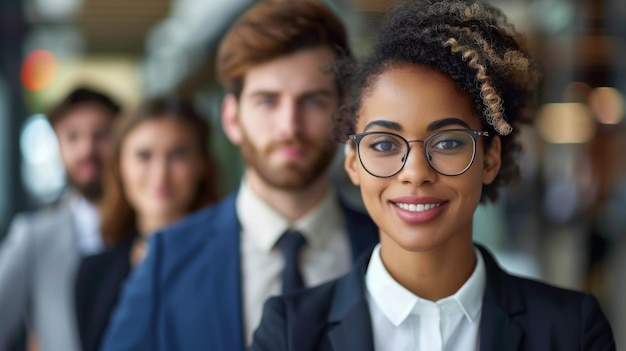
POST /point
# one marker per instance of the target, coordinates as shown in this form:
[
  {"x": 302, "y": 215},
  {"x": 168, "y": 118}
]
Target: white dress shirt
[
  {"x": 325, "y": 256},
  {"x": 403, "y": 321},
  {"x": 86, "y": 220}
]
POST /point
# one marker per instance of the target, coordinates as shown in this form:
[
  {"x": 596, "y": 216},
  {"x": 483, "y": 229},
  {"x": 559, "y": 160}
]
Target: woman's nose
[{"x": 416, "y": 169}]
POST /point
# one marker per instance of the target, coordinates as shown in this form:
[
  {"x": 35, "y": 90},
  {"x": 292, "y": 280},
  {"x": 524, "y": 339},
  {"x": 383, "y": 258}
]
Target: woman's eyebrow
[
  {"x": 438, "y": 124},
  {"x": 385, "y": 124}
]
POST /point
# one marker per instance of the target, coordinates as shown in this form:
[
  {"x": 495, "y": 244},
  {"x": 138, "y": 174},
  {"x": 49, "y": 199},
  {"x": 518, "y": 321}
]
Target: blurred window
[{"x": 43, "y": 174}]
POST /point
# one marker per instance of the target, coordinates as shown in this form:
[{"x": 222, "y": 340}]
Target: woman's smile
[{"x": 418, "y": 210}]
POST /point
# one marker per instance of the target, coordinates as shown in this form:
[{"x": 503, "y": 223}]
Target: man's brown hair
[{"x": 275, "y": 28}]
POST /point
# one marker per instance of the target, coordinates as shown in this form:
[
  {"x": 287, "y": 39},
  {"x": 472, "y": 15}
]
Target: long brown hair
[{"x": 118, "y": 218}]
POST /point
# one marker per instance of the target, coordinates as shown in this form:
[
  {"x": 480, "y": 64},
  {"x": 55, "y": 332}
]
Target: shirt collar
[
  {"x": 317, "y": 226},
  {"x": 396, "y": 302},
  {"x": 85, "y": 213},
  {"x": 86, "y": 220}
]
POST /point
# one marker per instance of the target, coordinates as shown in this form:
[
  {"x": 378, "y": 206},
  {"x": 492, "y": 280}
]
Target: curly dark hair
[{"x": 472, "y": 43}]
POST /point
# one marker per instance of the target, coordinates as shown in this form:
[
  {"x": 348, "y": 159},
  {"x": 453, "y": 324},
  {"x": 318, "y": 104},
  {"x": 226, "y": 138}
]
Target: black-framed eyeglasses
[{"x": 449, "y": 152}]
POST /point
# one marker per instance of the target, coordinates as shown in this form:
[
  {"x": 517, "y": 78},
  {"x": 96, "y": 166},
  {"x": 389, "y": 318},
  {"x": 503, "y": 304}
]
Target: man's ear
[
  {"x": 351, "y": 163},
  {"x": 230, "y": 119},
  {"x": 492, "y": 160}
]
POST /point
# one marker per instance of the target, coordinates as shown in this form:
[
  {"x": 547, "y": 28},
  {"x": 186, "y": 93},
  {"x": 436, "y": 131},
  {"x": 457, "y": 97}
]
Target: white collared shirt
[
  {"x": 403, "y": 321},
  {"x": 86, "y": 221},
  {"x": 325, "y": 256}
]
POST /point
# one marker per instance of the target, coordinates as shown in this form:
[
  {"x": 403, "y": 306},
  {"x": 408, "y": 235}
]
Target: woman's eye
[
  {"x": 178, "y": 154},
  {"x": 143, "y": 155},
  {"x": 448, "y": 144},
  {"x": 384, "y": 145}
]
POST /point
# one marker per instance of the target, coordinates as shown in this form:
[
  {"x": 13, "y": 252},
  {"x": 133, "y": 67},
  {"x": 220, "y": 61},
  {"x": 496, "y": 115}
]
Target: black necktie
[{"x": 290, "y": 244}]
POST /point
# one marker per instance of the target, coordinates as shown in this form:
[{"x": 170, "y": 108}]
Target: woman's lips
[{"x": 418, "y": 210}]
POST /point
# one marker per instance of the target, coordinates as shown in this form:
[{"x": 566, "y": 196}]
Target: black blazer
[
  {"x": 518, "y": 314},
  {"x": 98, "y": 284}
]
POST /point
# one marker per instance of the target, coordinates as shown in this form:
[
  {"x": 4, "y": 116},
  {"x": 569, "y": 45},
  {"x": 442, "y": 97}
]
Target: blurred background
[{"x": 565, "y": 223}]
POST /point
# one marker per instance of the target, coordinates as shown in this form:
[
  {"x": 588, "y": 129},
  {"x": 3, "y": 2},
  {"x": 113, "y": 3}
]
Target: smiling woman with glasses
[{"x": 431, "y": 133}]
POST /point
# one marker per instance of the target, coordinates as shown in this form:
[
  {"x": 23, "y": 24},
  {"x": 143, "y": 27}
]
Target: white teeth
[{"x": 418, "y": 207}]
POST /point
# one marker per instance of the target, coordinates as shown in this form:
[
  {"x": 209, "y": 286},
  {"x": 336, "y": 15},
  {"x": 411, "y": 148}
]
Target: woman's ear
[
  {"x": 230, "y": 119},
  {"x": 492, "y": 160},
  {"x": 351, "y": 163}
]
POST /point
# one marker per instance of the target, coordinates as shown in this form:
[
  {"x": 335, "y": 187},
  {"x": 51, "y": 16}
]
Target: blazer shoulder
[
  {"x": 556, "y": 304},
  {"x": 540, "y": 291},
  {"x": 37, "y": 224},
  {"x": 184, "y": 242},
  {"x": 567, "y": 313},
  {"x": 197, "y": 224}
]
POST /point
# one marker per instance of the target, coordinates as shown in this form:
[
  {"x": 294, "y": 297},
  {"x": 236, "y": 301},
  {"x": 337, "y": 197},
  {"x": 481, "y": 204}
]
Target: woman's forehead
[{"x": 411, "y": 94}]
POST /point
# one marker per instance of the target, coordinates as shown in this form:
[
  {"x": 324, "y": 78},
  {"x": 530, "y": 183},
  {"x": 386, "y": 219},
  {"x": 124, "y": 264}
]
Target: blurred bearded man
[
  {"x": 205, "y": 279},
  {"x": 40, "y": 254}
]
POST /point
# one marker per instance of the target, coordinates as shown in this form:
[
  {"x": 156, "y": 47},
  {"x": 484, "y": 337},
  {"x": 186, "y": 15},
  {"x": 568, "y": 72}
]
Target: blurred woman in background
[{"x": 160, "y": 171}]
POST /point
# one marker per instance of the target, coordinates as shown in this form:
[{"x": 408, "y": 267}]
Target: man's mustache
[
  {"x": 90, "y": 160},
  {"x": 300, "y": 142}
]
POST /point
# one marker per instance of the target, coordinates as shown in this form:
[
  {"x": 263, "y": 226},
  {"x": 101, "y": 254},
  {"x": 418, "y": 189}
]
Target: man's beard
[
  {"x": 92, "y": 189},
  {"x": 292, "y": 176}
]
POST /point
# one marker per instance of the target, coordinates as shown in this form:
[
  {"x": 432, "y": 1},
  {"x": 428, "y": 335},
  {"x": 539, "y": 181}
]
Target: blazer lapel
[
  {"x": 502, "y": 308},
  {"x": 349, "y": 318},
  {"x": 57, "y": 260},
  {"x": 222, "y": 286},
  {"x": 59, "y": 255}
]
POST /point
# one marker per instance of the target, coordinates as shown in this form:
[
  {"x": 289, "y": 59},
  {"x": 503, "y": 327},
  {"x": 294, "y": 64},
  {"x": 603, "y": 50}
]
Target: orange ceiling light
[{"x": 38, "y": 70}]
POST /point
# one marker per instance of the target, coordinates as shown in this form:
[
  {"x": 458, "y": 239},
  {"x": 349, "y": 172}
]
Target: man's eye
[
  {"x": 266, "y": 101},
  {"x": 71, "y": 136}
]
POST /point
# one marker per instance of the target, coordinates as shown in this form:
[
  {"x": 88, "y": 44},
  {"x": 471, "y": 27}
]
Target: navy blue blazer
[
  {"x": 186, "y": 295},
  {"x": 518, "y": 314}
]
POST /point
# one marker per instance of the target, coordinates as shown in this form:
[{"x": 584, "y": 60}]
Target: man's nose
[
  {"x": 288, "y": 120},
  {"x": 87, "y": 145}
]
